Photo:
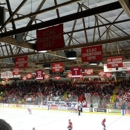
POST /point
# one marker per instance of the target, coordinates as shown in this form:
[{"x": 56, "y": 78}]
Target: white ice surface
[{"x": 20, "y": 119}]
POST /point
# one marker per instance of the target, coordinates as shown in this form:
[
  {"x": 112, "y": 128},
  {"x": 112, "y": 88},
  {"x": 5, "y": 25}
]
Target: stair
[{"x": 114, "y": 94}]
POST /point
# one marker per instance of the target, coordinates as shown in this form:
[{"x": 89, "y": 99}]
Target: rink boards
[{"x": 66, "y": 109}]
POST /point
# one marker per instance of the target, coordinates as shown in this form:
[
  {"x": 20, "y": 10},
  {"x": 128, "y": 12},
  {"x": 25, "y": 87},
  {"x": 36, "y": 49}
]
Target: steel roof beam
[
  {"x": 10, "y": 18},
  {"x": 126, "y": 6},
  {"x": 112, "y": 40},
  {"x": 93, "y": 11},
  {"x": 46, "y": 10}
]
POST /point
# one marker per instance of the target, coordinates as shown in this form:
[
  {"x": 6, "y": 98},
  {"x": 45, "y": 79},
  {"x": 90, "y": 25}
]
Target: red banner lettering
[
  {"x": 92, "y": 54},
  {"x": 57, "y": 67},
  {"x": 21, "y": 62},
  {"x": 114, "y": 62},
  {"x": 50, "y": 38}
]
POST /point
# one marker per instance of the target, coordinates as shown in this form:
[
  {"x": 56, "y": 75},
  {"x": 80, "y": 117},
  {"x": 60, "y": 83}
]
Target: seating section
[{"x": 96, "y": 94}]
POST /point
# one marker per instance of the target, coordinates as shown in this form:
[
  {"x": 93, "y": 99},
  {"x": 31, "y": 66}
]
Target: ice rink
[{"x": 20, "y": 119}]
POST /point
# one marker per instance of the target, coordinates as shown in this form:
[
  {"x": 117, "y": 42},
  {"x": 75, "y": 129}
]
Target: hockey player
[
  {"x": 70, "y": 125},
  {"x": 29, "y": 109},
  {"x": 103, "y": 123}
]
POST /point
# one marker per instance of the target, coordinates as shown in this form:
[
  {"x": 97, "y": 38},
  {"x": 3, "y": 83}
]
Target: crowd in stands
[{"x": 36, "y": 92}]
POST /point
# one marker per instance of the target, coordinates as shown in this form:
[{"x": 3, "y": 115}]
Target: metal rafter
[
  {"x": 90, "y": 12},
  {"x": 33, "y": 17},
  {"x": 12, "y": 15},
  {"x": 96, "y": 43},
  {"x": 73, "y": 27},
  {"x": 10, "y": 12},
  {"x": 46, "y": 10},
  {"x": 125, "y": 4}
]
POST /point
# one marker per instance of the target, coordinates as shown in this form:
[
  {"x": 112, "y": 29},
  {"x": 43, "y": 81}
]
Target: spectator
[{"x": 4, "y": 125}]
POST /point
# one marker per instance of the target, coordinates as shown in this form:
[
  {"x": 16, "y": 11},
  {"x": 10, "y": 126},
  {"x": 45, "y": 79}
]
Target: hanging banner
[
  {"x": 88, "y": 72},
  {"x": 24, "y": 78},
  {"x": 21, "y": 62},
  {"x": 16, "y": 71},
  {"x": 114, "y": 62},
  {"x": 57, "y": 67},
  {"x": 92, "y": 54},
  {"x": 101, "y": 73},
  {"x": 50, "y": 38},
  {"x": 126, "y": 67},
  {"x": 76, "y": 71},
  {"x": 108, "y": 75},
  {"x": 29, "y": 76},
  {"x": 3, "y": 75},
  {"x": 46, "y": 76},
  {"x": 9, "y": 74},
  {"x": 39, "y": 74}
]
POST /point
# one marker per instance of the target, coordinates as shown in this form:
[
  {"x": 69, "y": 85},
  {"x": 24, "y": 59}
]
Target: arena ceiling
[{"x": 86, "y": 23}]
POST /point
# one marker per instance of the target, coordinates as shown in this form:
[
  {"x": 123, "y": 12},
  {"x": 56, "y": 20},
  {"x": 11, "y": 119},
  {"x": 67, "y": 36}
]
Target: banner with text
[
  {"x": 88, "y": 72},
  {"x": 76, "y": 72},
  {"x": 7, "y": 75},
  {"x": 39, "y": 74},
  {"x": 91, "y": 54},
  {"x": 114, "y": 62},
  {"x": 57, "y": 67},
  {"x": 16, "y": 71},
  {"x": 126, "y": 67},
  {"x": 50, "y": 38},
  {"x": 21, "y": 62}
]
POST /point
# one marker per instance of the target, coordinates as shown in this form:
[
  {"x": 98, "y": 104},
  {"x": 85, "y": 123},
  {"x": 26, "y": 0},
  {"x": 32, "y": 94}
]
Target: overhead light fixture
[
  {"x": 92, "y": 63},
  {"x": 43, "y": 51},
  {"x": 100, "y": 64},
  {"x": 47, "y": 66},
  {"x": 71, "y": 55}
]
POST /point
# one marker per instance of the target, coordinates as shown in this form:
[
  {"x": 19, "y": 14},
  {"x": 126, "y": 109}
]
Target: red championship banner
[
  {"x": 108, "y": 75},
  {"x": 39, "y": 74},
  {"x": 21, "y": 62},
  {"x": 114, "y": 62},
  {"x": 57, "y": 67},
  {"x": 101, "y": 73},
  {"x": 29, "y": 76},
  {"x": 50, "y": 38},
  {"x": 76, "y": 71},
  {"x": 92, "y": 54},
  {"x": 88, "y": 71},
  {"x": 16, "y": 71},
  {"x": 46, "y": 76}
]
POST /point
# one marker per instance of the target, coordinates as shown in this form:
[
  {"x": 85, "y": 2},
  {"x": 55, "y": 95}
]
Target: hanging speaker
[{"x": 2, "y": 15}]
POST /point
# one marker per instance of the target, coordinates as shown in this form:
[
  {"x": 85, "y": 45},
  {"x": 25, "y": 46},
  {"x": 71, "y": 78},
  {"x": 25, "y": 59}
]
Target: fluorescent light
[
  {"x": 71, "y": 58},
  {"x": 43, "y": 51},
  {"x": 92, "y": 63}
]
